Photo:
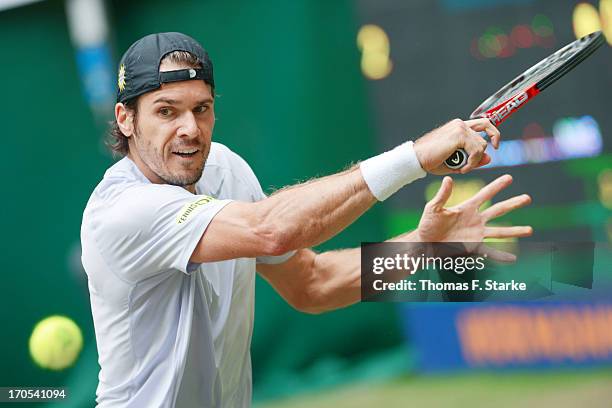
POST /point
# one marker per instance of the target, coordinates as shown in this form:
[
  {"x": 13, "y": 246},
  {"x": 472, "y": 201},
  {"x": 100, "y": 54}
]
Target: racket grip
[{"x": 457, "y": 160}]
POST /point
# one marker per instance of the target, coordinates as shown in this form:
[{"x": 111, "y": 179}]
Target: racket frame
[{"x": 497, "y": 112}]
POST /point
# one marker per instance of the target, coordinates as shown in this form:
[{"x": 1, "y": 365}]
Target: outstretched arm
[
  {"x": 315, "y": 283},
  {"x": 296, "y": 217},
  {"x": 310, "y": 213}
]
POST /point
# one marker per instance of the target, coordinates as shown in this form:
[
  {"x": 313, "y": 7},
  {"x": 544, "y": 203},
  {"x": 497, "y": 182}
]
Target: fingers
[
  {"x": 486, "y": 159},
  {"x": 433, "y": 148},
  {"x": 500, "y": 256},
  {"x": 475, "y": 146},
  {"x": 442, "y": 195},
  {"x": 506, "y": 206},
  {"x": 508, "y": 232},
  {"x": 484, "y": 124},
  {"x": 490, "y": 190},
  {"x": 474, "y": 157},
  {"x": 496, "y": 254}
]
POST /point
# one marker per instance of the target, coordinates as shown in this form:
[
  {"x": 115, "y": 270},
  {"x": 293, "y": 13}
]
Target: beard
[
  {"x": 183, "y": 180},
  {"x": 153, "y": 159}
]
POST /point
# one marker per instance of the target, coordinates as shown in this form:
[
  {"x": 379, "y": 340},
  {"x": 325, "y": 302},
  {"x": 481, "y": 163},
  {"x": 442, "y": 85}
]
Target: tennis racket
[{"x": 515, "y": 94}]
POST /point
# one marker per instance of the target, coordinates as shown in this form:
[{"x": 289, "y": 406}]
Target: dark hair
[{"x": 118, "y": 142}]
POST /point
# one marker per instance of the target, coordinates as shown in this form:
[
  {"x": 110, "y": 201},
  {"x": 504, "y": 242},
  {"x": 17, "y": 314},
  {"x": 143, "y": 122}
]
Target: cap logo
[
  {"x": 121, "y": 78},
  {"x": 192, "y": 73}
]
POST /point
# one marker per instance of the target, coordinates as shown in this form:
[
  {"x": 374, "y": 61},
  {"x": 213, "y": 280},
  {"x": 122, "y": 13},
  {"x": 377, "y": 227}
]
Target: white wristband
[{"x": 388, "y": 172}]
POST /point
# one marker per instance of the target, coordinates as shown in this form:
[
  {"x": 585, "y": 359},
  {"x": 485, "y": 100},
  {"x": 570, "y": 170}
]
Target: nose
[{"x": 189, "y": 126}]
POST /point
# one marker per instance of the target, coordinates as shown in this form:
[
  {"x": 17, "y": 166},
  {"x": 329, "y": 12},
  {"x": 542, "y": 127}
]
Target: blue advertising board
[{"x": 455, "y": 336}]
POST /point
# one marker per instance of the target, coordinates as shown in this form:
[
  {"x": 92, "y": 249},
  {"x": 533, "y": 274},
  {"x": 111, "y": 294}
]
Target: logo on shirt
[{"x": 189, "y": 209}]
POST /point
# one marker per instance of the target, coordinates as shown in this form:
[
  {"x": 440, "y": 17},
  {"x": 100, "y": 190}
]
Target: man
[{"x": 173, "y": 234}]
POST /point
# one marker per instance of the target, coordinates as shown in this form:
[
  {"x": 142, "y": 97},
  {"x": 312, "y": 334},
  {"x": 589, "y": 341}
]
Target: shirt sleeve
[{"x": 154, "y": 228}]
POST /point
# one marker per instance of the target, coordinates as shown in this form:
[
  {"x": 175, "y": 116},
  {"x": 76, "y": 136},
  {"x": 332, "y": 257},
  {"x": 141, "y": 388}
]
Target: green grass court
[{"x": 570, "y": 389}]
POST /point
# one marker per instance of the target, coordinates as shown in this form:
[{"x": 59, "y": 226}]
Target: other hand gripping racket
[{"x": 514, "y": 95}]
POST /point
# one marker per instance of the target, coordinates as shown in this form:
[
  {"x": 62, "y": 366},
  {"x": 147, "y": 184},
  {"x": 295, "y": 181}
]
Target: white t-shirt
[{"x": 169, "y": 333}]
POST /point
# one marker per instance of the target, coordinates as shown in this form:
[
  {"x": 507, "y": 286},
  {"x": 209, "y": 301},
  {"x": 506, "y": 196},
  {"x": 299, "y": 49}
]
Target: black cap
[{"x": 139, "y": 66}]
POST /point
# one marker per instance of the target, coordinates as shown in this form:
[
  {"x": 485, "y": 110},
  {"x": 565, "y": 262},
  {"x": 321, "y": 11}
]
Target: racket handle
[{"x": 457, "y": 160}]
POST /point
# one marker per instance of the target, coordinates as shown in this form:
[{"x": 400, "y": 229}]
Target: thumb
[
  {"x": 443, "y": 194},
  {"x": 486, "y": 159}
]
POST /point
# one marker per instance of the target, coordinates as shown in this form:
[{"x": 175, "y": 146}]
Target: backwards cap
[{"x": 139, "y": 66}]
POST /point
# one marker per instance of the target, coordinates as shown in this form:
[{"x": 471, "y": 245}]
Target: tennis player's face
[{"x": 174, "y": 125}]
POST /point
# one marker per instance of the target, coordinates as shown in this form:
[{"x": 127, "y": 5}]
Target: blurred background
[{"x": 305, "y": 88}]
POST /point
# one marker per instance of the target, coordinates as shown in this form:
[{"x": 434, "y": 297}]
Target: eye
[
  {"x": 165, "y": 112},
  {"x": 201, "y": 108}
]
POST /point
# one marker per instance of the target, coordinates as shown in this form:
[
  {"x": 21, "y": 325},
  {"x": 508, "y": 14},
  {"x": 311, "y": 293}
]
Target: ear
[{"x": 125, "y": 119}]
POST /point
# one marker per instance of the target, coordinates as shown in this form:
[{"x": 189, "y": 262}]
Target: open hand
[{"x": 464, "y": 222}]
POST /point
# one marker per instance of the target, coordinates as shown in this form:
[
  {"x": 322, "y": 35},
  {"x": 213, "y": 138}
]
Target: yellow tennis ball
[{"x": 56, "y": 342}]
